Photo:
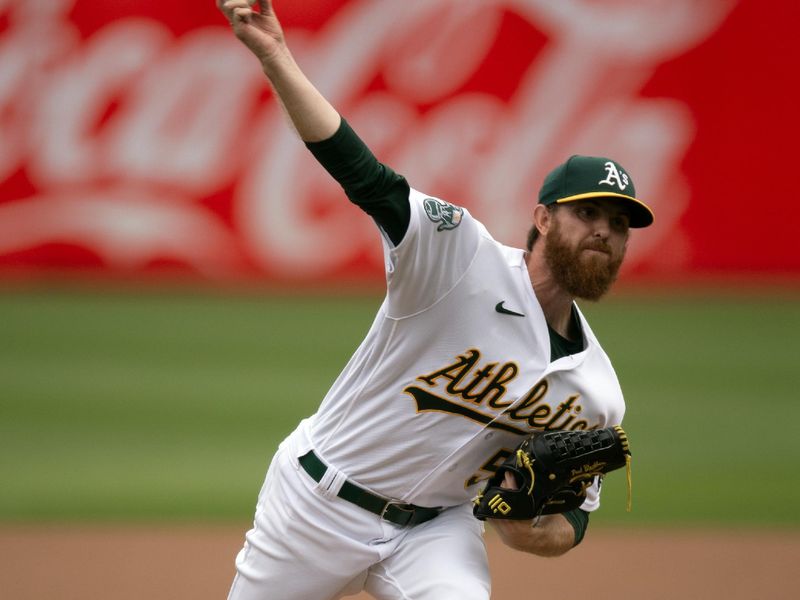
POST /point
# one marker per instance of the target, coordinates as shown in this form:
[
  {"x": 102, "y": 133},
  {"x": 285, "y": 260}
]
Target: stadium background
[{"x": 179, "y": 282}]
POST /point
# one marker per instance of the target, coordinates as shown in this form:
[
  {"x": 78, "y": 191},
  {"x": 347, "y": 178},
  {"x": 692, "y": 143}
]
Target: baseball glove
[{"x": 553, "y": 470}]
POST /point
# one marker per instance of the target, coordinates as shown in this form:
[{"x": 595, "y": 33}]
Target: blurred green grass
[{"x": 168, "y": 405}]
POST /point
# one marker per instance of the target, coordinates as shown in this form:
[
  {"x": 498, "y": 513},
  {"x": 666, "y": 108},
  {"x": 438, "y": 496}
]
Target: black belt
[{"x": 389, "y": 510}]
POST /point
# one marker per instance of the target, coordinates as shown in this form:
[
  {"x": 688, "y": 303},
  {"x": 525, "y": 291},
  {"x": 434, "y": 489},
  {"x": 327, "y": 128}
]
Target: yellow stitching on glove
[
  {"x": 629, "y": 477},
  {"x": 523, "y": 458},
  {"x": 623, "y": 438},
  {"x": 627, "y": 449}
]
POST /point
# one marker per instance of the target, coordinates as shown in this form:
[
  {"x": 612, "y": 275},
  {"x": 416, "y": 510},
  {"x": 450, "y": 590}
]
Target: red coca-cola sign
[{"x": 141, "y": 137}]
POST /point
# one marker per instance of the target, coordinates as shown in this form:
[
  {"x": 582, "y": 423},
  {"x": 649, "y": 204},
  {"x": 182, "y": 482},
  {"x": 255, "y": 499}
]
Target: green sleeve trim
[{"x": 579, "y": 519}]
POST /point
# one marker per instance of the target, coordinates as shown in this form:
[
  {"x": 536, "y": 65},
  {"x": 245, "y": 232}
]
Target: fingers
[
  {"x": 509, "y": 481},
  {"x": 242, "y": 15},
  {"x": 236, "y": 10}
]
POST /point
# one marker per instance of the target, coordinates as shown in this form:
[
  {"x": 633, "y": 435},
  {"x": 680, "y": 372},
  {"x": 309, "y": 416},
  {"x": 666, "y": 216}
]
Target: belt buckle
[{"x": 405, "y": 509}]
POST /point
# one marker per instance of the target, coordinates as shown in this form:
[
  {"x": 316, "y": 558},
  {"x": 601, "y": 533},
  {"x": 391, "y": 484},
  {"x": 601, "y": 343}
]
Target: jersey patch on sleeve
[{"x": 447, "y": 215}]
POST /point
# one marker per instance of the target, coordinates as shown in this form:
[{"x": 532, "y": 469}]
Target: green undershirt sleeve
[
  {"x": 368, "y": 183},
  {"x": 579, "y": 519}
]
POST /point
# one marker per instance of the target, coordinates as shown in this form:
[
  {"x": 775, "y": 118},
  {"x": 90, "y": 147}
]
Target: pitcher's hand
[{"x": 259, "y": 30}]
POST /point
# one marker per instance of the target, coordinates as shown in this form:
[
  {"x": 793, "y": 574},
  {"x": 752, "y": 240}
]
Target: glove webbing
[
  {"x": 566, "y": 447},
  {"x": 568, "y": 450}
]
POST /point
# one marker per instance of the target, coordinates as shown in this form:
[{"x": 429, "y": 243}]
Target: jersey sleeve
[
  {"x": 368, "y": 183},
  {"x": 439, "y": 246}
]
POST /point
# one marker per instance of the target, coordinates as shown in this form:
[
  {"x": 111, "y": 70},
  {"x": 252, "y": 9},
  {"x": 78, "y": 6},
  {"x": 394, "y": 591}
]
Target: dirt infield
[{"x": 177, "y": 563}]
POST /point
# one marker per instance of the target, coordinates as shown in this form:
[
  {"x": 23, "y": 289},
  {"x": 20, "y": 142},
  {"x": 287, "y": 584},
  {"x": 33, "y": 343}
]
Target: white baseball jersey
[{"x": 455, "y": 369}]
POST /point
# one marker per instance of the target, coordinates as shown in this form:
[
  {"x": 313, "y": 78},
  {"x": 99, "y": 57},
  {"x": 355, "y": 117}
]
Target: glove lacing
[{"x": 523, "y": 460}]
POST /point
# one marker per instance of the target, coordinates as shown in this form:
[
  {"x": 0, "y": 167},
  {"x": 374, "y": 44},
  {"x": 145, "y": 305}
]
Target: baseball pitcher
[{"x": 479, "y": 393}]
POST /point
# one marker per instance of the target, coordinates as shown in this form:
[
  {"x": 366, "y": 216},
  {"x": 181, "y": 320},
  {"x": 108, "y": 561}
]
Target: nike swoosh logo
[{"x": 504, "y": 311}]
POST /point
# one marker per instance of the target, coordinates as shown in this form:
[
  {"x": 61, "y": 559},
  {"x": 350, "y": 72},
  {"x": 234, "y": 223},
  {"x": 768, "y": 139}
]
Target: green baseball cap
[{"x": 583, "y": 177}]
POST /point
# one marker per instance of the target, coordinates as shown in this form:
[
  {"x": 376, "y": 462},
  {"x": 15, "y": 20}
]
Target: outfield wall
[{"x": 139, "y": 139}]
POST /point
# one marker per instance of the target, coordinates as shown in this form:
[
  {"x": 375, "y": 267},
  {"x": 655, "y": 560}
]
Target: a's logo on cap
[{"x": 614, "y": 177}]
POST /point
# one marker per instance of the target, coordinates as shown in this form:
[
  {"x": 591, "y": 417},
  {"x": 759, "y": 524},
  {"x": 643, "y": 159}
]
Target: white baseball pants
[{"x": 308, "y": 544}]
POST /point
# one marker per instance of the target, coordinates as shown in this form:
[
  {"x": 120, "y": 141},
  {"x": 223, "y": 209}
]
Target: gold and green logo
[{"x": 447, "y": 215}]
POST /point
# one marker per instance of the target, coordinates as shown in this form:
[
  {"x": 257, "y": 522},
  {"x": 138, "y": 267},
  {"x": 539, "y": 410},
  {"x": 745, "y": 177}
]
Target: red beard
[{"x": 582, "y": 275}]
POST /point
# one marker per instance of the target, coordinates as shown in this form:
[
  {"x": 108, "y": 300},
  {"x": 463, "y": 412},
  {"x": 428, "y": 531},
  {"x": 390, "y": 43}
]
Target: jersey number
[{"x": 489, "y": 468}]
